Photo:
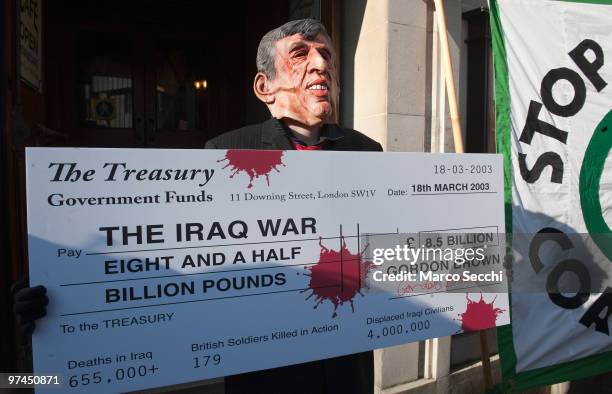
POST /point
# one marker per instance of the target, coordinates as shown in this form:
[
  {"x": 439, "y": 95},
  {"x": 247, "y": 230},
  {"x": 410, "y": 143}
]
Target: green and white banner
[{"x": 553, "y": 80}]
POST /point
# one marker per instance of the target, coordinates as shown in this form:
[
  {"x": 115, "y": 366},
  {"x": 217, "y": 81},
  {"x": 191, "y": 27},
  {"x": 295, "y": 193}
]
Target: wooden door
[
  {"x": 105, "y": 92},
  {"x": 169, "y": 74},
  {"x": 193, "y": 88},
  {"x": 151, "y": 89}
]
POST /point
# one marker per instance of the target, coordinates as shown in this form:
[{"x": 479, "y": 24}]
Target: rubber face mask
[{"x": 305, "y": 88}]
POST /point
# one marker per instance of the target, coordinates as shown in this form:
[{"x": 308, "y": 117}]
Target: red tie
[{"x": 299, "y": 146}]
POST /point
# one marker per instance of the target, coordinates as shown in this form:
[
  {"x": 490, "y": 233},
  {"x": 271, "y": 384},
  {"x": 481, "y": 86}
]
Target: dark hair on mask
[{"x": 309, "y": 28}]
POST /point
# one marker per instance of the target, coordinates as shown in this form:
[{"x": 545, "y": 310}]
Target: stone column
[{"x": 385, "y": 96}]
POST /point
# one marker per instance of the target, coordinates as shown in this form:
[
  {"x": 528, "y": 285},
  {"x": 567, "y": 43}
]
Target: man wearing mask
[{"x": 297, "y": 80}]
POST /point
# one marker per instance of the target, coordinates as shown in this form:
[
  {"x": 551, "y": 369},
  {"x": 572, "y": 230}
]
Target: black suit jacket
[
  {"x": 272, "y": 135},
  {"x": 352, "y": 374}
]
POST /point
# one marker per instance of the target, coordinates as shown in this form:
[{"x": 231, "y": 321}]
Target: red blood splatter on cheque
[
  {"x": 338, "y": 276},
  {"x": 254, "y": 163},
  {"x": 479, "y": 315}
]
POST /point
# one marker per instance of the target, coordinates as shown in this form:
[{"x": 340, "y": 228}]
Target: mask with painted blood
[{"x": 305, "y": 88}]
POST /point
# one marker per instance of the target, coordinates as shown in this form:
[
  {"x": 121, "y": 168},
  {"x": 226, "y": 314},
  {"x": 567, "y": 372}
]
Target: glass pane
[
  {"x": 105, "y": 81},
  {"x": 181, "y": 85}
]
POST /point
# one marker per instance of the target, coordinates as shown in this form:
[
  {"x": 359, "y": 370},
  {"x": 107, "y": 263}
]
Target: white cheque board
[{"x": 170, "y": 266}]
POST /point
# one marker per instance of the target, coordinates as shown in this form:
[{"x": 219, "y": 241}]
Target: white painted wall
[
  {"x": 384, "y": 68},
  {"x": 393, "y": 90}
]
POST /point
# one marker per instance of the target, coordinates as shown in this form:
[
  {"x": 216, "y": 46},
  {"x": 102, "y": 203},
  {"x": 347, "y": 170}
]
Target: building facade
[{"x": 173, "y": 74}]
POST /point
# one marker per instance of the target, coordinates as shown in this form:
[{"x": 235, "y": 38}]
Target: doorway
[
  {"x": 169, "y": 74},
  {"x": 130, "y": 74}
]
